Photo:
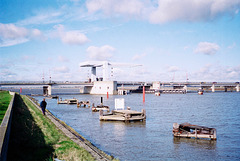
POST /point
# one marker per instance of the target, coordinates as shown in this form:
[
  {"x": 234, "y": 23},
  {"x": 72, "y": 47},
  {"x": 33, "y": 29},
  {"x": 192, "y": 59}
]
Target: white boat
[
  {"x": 188, "y": 130},
  {"x": 157, "y": 93},
  {"x": 67, "y": 101},
  {"x": 200, "y": 91},
  {"x": 72, "y": 101}
]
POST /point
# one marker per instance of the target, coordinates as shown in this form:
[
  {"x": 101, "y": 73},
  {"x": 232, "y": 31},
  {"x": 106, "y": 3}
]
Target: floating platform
[
  {"x": 120, "y": 114},
  {"x": 123, "y": 115},
  {"x": 188, "y": 130}
]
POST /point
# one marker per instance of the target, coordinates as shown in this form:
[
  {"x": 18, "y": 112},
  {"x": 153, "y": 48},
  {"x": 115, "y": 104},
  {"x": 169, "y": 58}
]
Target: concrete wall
[
  {"x": 156, "y": 85},
  {"x": 5, "y": 130},
  {"x": 102, "y": 87}
]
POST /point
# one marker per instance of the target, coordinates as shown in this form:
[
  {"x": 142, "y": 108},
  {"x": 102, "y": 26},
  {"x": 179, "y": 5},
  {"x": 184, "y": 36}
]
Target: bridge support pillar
[
  {"x": 213, "y": 88},
  {"x": 237, "y": 88},
  {"x": 185, "y": 88},
  {"x": 49, "y": 90},
  {"x": 93, "y": 74}
]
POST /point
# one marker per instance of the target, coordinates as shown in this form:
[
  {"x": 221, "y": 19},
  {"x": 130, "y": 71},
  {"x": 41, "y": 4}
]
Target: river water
[{"x": 153, "y": 139}]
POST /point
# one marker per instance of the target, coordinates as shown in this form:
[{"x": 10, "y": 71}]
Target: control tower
[{"x": 94, "y": 65}]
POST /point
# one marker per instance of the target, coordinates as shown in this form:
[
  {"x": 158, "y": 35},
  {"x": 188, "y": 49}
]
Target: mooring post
[
  {"x": 143, "y": 93},
  {"x": 101, "y": 100},
  {"x": 195, "y": 133}
]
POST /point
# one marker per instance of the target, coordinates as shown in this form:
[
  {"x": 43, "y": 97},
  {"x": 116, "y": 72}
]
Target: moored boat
[
  {"x": 83, "y": 104},
  {"x": 100, "y": 107},
  {"x": 200, "y": 91},
  {"x": 188, "y": 130},
  {"x": 72, "y": 101},
  {"x": 157, "y": 93},
  {"x": 67, "y": 101}
]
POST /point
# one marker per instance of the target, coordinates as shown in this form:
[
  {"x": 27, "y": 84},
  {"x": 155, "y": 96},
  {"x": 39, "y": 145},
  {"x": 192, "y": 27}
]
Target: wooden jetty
[
  {"x": 188, "y": 130},
  {"x": 120, "y": 114}
]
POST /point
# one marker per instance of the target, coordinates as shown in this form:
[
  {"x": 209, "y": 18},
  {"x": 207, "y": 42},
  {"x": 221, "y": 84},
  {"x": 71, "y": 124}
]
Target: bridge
[{"x": 112, "y": 87}]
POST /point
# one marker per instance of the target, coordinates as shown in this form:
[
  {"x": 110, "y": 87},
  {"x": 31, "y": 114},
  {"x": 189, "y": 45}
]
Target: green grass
[
  {"x": 35, "y": 137},
  {"x": 5, "y": 99}
]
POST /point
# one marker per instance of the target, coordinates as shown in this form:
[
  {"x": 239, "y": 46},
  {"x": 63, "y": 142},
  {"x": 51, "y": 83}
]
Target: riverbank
[
  {"x": 5, "y": 99},
  {"x": 36, "y": 137}
]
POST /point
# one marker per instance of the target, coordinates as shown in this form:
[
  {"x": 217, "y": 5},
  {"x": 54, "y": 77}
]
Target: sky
[{"x": 150, "y": 40}]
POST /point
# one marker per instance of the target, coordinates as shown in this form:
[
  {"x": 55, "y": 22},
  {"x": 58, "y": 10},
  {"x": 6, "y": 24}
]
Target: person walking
[{"x": 43, "y": 105}]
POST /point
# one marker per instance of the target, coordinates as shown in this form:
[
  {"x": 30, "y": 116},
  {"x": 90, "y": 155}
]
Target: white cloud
[
  {"x": 207, "y": 48},
  {"x": 192, "y": 10},
  {"x": 74, "y": 37},
  {"x": 11, "y": 34},
  {"x": 125, "y": 7},
  {"x": 139, "y": 56},
  {"x": 10, "y": 31},
  {"x": 100, "y": 53},
  {"x": 211, "y": 72},
  {"x": 43, "y": 17},
  {"x": 163, "y": 11}
]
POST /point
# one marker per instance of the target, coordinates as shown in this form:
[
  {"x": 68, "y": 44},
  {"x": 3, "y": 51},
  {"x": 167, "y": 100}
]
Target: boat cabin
[{"x": 194, "y": 131}]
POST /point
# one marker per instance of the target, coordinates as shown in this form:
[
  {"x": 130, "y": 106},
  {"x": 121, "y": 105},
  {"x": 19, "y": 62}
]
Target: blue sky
[{"x": 173, "y": 40}]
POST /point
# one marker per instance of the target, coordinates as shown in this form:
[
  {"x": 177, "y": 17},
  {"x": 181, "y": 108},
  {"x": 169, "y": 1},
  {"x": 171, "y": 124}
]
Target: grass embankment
[
  {"x": 5, "y": 99},
  {"x": 35, "y": 137}
]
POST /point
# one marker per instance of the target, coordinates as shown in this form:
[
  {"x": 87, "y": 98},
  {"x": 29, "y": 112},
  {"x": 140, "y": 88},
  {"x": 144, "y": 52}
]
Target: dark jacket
[{"x": 43, "y": 104}]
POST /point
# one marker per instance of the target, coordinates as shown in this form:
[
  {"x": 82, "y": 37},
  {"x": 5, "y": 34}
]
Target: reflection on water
[
  {"x": 153, "y": 139},
  {"x": 194, "y": 143}
]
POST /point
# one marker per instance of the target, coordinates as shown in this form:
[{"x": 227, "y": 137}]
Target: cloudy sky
[{"x": 173, "y": 40}]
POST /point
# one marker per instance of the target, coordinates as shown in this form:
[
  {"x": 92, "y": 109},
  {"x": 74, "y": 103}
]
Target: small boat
[
  {"x": 100, "y": 107},
  {"x": 188, "y": 130},
  {"x": 52, "y": 97},
  {"x": 83, "y": 103},
  {"x": 200, "y": 91},
  {"x": 72, "y": 101},
  {"x": 120, "y": 114},
  {"x": 67, "y": 101},
  {"x": 157, "y": 93},
  {"x": 62, "y": 101}
]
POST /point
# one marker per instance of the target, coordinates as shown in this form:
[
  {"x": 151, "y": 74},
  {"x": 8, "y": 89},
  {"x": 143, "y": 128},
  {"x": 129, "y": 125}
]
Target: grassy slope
[
  {"x": 35, "y": 137},
  {"x": 5, "y": 99}
]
